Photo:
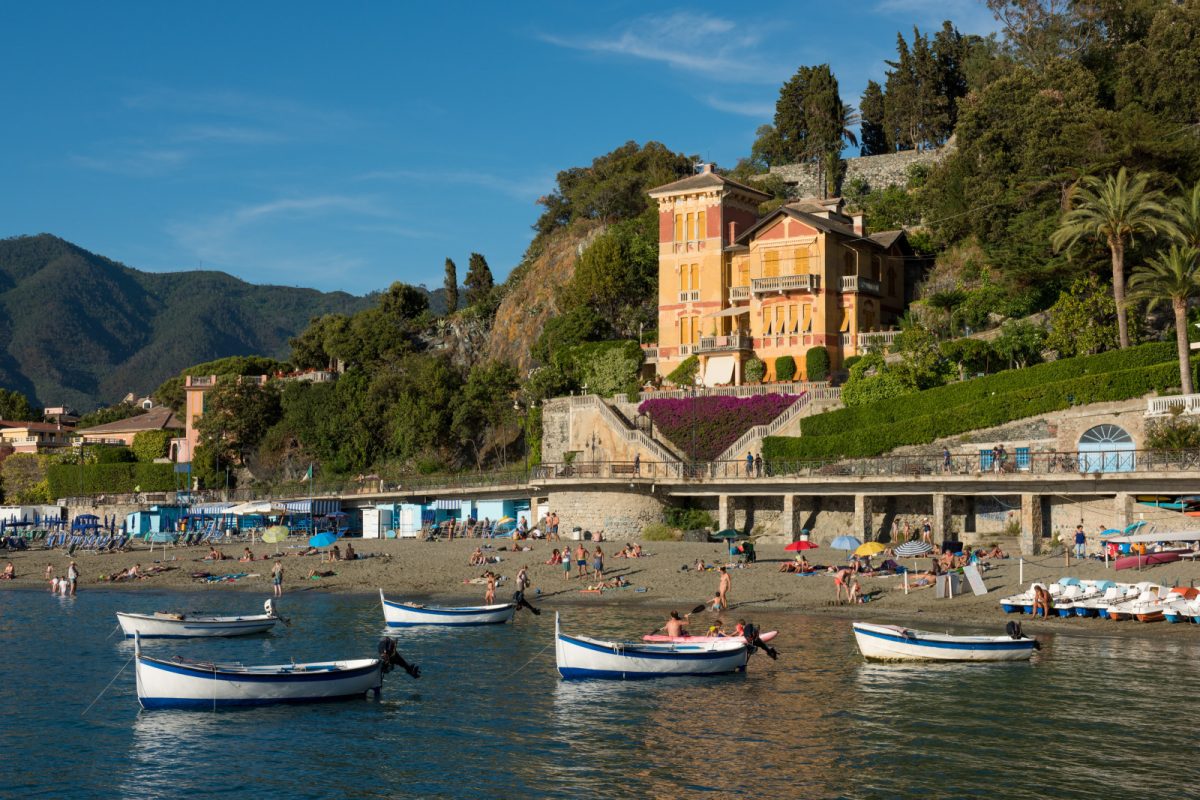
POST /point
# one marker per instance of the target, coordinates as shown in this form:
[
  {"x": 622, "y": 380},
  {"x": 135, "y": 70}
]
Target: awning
[
  {"x": 211, "y": 510},
  {"x": 256, "y": 507},
  {"x": 736, "y": 311},
  {"x": 719, "y": 370},
  {"x": 448, "y": 505},
  {"x": 315, "y": 507}
]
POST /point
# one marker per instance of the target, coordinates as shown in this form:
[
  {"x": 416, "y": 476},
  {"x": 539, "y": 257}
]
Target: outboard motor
[
  {"x": 392, "y": 658},
  {"x": 752, "y": 638},
  {"x": 519, "y": 599},
  {"x": 1013, "y": 629},
  {"x": 269, "y": 608}
]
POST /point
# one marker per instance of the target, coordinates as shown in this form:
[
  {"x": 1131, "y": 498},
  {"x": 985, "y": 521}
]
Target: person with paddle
[{"x": 675, "y": 624}]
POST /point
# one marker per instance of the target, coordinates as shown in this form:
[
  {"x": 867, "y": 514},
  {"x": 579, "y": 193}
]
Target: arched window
[{"x": 1106, "y": 448}]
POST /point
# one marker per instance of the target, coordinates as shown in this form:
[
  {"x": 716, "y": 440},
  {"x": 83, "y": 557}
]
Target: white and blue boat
[
  {"x": 181, "y": 683},
  {"x": 403, "y": 615},
  {"x": 896, "y": 643},
  {"x": 165, "y": 625},
  {"x": 584, "y": 657}
]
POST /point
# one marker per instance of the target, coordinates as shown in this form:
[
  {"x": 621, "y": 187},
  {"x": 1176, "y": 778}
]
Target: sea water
[{"x": 1090, "y": 716}]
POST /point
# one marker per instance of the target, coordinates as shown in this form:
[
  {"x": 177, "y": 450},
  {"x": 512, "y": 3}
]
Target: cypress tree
[
  {"x": 900, "y": 99},
  {"x": 874, "y": 134},
  {"x": 451, "y": 286},
  {"x": 479, "y": 280}
]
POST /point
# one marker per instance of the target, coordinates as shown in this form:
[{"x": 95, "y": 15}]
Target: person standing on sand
[
  {"x": 581, "y": 557},
  {"x": 723, "y": 588},
  {"x": 566, "y": 562},
  {"x": 277, "y": 579},
  {"x": 489, "y": 597},
  {"x": 598, "y": 564},
  {"x": 73, "y": 577},
  {"x": 522, "y": 579},
  {"x": 841, "y": 579}
]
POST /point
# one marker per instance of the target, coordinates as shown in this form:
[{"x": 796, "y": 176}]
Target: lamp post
[{"x": 592, "y": 443}]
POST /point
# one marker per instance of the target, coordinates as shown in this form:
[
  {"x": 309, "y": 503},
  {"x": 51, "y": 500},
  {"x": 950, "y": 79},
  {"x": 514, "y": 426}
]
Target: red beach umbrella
[{"x": 796, "y": 547}]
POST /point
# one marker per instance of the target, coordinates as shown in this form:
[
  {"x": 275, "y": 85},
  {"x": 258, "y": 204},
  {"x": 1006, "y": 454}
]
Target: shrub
[
  {"x": 689, "y": 519},
  {"x": 755, "y": 370},
  {"x": 68, "y": 480},
  {"x": 1173, "y": 433},
  {"x": 785, "y": 368},
  {"x": 149, "y": 445},
  {"x": 659, "y": 532},
  {"x": 851, "y": 361},
  {"x": 685, "y": 373},
  {"x": 712, "y": 423},
  {"x": 114, "y": 455},
  {"x": 816, "y": 364}
]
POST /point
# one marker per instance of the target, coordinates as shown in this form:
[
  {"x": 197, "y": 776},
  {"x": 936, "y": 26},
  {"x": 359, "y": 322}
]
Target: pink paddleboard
[{"x": 662, "y": 637}]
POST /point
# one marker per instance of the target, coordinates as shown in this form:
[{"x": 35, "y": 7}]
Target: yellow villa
[{"x": 734, "y": 285}]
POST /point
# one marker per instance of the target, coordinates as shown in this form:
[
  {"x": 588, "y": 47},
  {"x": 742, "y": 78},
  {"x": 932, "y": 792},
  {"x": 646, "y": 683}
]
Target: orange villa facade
[{"x": 734, "y": 285}]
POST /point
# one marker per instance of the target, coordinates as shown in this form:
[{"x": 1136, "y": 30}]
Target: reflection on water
[{"x": 491, "y": 719}]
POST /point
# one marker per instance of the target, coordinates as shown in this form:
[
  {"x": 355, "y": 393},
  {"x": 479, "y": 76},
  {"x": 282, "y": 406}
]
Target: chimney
[
  {"x": 706, "y": 168},
  {"x": 732, "y": 231},
  {"x": 859, "y": 227}
]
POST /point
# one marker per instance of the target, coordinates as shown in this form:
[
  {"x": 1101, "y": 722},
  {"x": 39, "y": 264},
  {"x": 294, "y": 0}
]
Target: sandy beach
[{"x": 440, "y": 571}]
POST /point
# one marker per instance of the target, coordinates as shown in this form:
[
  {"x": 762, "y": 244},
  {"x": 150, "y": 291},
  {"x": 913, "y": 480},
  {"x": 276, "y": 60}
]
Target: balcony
[
  {"x": 786, "y": 283},
  {"x": 650, "y": 353},
  {"x": 718, "y": 344},
  {"x": 857, "y": 283},
  {"x": 739, "y": 293},
  {"x": 689, "y": 296},
  {"x": 883, "y": 339}
]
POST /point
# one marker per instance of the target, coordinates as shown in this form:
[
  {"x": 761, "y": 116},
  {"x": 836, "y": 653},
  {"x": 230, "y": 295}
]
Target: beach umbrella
[
  {"x": 845, "y": 543},
  {"x": 322, "y": 539},
  {"x": 1111, "y": 532},
  {"x": 869, "y": 549},
  {"x": 914, "y": 549},
  {"x": 1134, "y": 526},
  {"x": 803, "y": 544},
  {"x": 728, "y": 533},
  {"x": 276, "y": 534}
]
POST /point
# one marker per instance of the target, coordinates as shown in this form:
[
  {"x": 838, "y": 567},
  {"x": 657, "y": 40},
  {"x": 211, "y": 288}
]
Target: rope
[
  {"x": 535, "y": 655},
  {"x": 106, "y": 688},
  {"x": 114, "y": 630}
]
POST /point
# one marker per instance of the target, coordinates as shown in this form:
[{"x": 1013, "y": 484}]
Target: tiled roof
[
  {"x": 886, "y": 238},
  {"x": 705, "y": 180},
  {"x": 40, "y": 427},
  {"x": 156, "y": 419}
]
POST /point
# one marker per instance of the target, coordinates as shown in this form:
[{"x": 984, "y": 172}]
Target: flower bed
[{"x": 712, "y": 423}]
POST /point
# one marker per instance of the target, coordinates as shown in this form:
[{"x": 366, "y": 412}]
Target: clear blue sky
[{"x": 348, "y": 145}]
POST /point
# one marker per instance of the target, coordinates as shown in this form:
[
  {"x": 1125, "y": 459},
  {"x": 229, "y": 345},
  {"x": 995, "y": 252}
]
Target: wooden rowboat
[
  {"x": 584, "y": 657},
  {"x": 896, "y": 643},
  {"x": 162, "y": 625},
  {"x": 402, "y": 615}
]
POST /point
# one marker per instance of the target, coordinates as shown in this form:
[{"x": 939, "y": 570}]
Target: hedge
[
  {"x": 943, "y": 398},
  {"x": 816, "y": 364},
  {"x": 69, "y": 480},
  {"x": 923, "y": 428}
]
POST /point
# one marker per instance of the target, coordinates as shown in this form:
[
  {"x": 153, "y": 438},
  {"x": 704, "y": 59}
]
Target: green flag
[{"x": 308, "y": 475}]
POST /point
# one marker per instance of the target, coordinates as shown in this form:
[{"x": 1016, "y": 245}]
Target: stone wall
[
  {"x": 878, "y": 172},
  {"x": 620, "y": 513}
]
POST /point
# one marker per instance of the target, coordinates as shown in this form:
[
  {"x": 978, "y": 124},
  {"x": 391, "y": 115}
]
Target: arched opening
[{"x": 1106, "y": 448}]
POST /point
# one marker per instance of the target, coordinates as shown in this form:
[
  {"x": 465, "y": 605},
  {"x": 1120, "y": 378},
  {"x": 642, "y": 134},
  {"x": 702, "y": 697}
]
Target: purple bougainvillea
[{"x": 712, "y": 423}]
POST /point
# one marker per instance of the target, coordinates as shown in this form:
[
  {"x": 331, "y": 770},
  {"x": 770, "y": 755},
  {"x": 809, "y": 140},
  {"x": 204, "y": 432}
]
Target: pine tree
[
  {"x": 451, "y": 286},
  {"x": 932, "y": 110},
  {"x": 791, "y": 117},
  {"x": 950, "y": 50},
  {"x": 874, "y": 134},
  {"x": 479, "y": 280}
]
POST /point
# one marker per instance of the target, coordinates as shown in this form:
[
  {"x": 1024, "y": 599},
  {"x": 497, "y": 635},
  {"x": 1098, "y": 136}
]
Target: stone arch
[{"x": 1106, "y": 448}]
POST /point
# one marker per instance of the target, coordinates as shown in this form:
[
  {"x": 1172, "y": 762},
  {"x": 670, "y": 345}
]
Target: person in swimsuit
[
  {"x": 841, "y": 579},
  {"x": 10, "y": 572},
  {"x": 522, "y": 579},
  {"x": 581, "y": 557},
  {"x": 566, "y": 562},
  {"x": 675, "y": 624},
  {"x": 723, "y": 588},
  {"x": 73, "y": 577},
  {"x": 277, "y": 579},
  {"x": 489, "y": 597},
  {"x": 598, "y": 564}
]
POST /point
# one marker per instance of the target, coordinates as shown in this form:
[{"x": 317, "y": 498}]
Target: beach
[{"x": 439, "y": 571}]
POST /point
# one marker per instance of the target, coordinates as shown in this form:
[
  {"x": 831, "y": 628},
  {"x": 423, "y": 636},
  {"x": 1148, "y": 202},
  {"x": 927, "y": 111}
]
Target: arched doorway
[{"x": 1106, "y": 448}]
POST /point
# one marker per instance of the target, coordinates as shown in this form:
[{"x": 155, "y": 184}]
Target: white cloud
[
  {"x": 527, "y": 188},
  {"x": 690, "y": 42}
]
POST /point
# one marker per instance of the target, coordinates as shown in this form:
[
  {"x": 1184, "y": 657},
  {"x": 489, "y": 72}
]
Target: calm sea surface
[{"x": 1090, "y": 717}]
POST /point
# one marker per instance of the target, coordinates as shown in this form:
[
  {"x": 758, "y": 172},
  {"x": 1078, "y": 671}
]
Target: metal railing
[
  {"x": 857, "y": 283},
  {"x": 818, "y": 390},
  {"x": 786, "y": 283},
  {"x": 759, "y": 432},
  {"x": 1089, "y": 465},
  {"x": 733, "y": 341},
  {"x": 1161, "y": 406}
]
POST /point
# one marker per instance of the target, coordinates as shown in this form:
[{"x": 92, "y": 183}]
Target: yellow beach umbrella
[
  {"x": 275, "y": 534},
  {"x": 869, "y": 549}
]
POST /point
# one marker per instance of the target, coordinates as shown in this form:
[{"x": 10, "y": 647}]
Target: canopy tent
[
  {"x": 1164, "y": 536},
  {"x": 719, "y": 370},
  {"x": 211, "y": 509},
  {"x": 736, "y": 311},
  {"x": 257, "y": 507}
]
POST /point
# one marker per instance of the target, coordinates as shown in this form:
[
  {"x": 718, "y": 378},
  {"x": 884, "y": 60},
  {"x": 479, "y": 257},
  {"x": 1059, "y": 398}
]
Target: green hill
[{"x": 81, "y": 329}]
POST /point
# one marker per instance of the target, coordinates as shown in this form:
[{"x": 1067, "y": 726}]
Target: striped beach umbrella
[{"x": 914, "y": 549}]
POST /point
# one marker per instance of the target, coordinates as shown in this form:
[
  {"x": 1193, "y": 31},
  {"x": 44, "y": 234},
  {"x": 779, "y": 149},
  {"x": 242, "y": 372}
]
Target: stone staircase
[
  {"x": 619, "y": 424},
  {"x": 808, "y": 403}
]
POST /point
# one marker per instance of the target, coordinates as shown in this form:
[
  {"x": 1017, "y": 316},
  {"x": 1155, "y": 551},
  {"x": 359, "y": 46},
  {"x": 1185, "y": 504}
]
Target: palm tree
[
  {"x": 1114, "y": 210},
  {"x": 1187, "y": 217},
  {"x": 1174, "y": 275}
]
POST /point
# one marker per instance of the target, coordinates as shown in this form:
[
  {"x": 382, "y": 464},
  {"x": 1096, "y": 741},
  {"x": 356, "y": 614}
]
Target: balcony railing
[
  {"x": 857, "y": 283},
  {"x": 689, "y": 296},
  {"x": 786, "y": 283},
  {"x": 650, "y": 354},
  {"x": 884, "y": 339},
  {"x": 735, "y": 341},
  {"x": 685, "y": 349},
  {"x": 739, "y": 293},
  {"x": 1160, "y": 406}
]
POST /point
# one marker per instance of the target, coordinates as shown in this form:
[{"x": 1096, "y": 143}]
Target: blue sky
[{"x": 345, "y": 146}]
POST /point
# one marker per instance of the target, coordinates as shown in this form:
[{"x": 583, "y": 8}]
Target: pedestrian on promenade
[
  {"x": 1080, "y": 541},
  {"x": 749, "y": 465},
  {"x": 758, "y": 465}
]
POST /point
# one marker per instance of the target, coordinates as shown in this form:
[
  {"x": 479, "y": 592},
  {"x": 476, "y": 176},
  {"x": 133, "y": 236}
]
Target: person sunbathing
[
  {"x": 317, "y": 573},
  {"x": 555, "y": 557},
  {"x": 215, "y": 555},
  {"x": 476, "y": 558},
  {"x": 923, "y": 580},
  {"x": 635, "y": 551},
  {"x": 700, "y": 566},
  {"x": 10, "y": 572},
  {"x": 246, "y": 555},
  {"x": 350, "y": 554},
  {"x": 996, "y": 552}
]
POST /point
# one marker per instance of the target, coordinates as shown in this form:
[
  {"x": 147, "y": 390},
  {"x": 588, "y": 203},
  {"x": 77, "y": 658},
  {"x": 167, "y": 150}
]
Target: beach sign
[{"x": 974, "y": 579}]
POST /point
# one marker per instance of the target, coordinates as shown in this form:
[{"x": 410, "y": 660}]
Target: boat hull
[
  {"x": 1147, "y": 560},
  {"x": 181, "y": 684},
  {"x": 766, "y": 637},
  {"x": 148, "y": 626},
  {"x": 893, "y": 643},
  {"x": 407, "y": 615},
  {"x": 580, "y": 657}
]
